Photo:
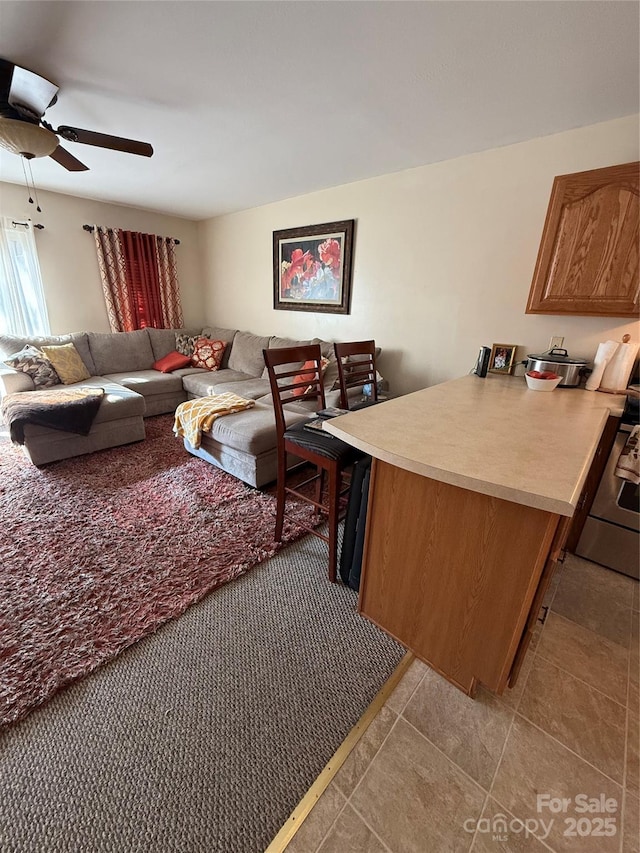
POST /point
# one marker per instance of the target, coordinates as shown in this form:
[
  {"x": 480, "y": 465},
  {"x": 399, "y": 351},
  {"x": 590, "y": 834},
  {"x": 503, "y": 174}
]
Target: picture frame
[
  {"x": 502, "y": 358},
  {"x": 312, "y": 268}
]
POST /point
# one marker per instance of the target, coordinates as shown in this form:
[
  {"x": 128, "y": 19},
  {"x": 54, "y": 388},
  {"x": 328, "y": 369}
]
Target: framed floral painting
[{"x": 312, "y": 268}]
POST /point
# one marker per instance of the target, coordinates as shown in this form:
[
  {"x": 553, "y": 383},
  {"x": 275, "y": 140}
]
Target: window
[{"x": 23, "y": 310}]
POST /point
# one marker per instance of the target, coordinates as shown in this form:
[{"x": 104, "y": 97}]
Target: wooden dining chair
[
  {"x": 295, "y": 376},
  {"x": 356, "y": 368}
]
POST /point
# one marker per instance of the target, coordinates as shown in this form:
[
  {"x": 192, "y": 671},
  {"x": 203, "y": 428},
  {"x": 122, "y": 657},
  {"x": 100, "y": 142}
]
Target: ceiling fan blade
[
  {"x": 60, "y": 155},
  {"x": 104, "y": 140}
]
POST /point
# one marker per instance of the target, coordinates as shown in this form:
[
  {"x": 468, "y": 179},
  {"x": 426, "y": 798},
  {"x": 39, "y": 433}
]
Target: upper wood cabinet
[{"x": 588, "y": 258}]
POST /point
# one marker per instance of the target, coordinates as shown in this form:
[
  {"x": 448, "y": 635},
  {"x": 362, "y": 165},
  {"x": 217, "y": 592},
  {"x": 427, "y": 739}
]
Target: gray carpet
[{"x": 204, "y": 736}]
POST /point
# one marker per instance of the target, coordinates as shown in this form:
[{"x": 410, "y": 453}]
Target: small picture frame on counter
[{"x": 502, "y": 358}]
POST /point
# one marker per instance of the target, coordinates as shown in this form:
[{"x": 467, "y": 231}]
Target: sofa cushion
[
  {"x": 281, "y": 343},
  {"x": 172, "y": 361},
  {"x": 253, "y": 431},
  {"x": 67, "y": 363},
  {"x": 246, "y": 353},
  {"x": 208, "y": 353},
  {"x": 190, "y": 371},
  {"x": 117, "y": 352},
  {"x": 163, "y": 341},
  {"x": 35, "y": 364},
  {"x": 147, "y": 382},
  {"x": 204, "y": 382},
  {"x": 219, "y": 333},
  {"x": 118, "y": 402},
  {"x": 250, "y": 389},
  {"x": 80, "y": 340},
  {"x": 10, "y": 344}
]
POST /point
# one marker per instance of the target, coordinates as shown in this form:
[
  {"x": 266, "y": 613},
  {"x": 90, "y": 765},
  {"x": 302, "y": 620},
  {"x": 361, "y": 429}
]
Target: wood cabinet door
[
  {"x": 588, "y": 258},
  {"x": 452, "y": 573}
]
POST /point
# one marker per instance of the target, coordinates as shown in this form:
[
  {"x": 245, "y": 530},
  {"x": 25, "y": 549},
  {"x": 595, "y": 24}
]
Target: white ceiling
[{"x": 247, "y": 103}]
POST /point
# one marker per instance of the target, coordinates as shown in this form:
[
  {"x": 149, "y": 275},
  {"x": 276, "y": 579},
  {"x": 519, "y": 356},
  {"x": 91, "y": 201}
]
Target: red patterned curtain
[
  {"x": 168, "y": 283},
  {"x": 139, "y": 280},
  {"x": 113, "y": 272}
]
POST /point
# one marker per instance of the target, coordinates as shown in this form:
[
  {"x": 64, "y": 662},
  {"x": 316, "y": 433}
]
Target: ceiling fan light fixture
[{"x": 28, "y": 140}]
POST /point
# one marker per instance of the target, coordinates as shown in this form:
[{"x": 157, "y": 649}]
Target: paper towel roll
[
  {"x": 604, "y": 355},
  {"x": 618, "y": 370}
]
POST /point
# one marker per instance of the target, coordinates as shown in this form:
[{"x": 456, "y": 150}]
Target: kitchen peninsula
[{"x": 474, "y": 483}]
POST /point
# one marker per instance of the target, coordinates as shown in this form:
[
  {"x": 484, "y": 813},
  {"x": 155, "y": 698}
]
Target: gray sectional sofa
[{"x": 244, "y": 444}]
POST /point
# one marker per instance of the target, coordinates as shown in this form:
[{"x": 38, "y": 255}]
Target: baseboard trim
[{"x": 301, "y": 811}]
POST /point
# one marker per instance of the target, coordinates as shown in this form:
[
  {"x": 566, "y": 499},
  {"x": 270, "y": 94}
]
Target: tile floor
[{"x": 437, "y": 771}]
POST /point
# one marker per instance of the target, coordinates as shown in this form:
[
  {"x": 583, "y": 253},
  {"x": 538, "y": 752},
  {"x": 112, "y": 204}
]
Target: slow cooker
[{"x": 557, "y": 360}]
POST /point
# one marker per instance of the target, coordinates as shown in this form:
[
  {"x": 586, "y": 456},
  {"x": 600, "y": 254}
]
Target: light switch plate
[{"x": 556, "y": 341}]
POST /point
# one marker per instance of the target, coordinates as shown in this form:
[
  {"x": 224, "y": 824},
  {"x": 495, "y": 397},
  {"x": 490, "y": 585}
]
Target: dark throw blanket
[{"x": 67, "y": 409}]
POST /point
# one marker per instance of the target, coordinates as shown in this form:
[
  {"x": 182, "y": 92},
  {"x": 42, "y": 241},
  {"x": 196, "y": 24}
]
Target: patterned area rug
[{"x": 100, "y": 550}]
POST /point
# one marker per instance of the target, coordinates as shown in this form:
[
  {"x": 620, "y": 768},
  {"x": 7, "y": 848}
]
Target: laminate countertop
[{"x": 493, "y": 435}]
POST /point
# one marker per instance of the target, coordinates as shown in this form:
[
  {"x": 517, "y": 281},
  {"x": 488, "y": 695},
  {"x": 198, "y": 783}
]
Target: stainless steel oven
[{"x": 611, "y": 535}]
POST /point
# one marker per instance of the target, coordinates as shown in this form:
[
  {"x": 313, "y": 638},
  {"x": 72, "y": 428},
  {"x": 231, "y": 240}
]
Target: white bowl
[{"x": 542, "y": 384}]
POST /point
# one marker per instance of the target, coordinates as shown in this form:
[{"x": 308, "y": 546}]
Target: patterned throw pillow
[
  {"x": 33, "y": 362},
  {"x": 208, "y": 353},
  {"x": 67, "y": 362},
  {"x": 185, "y": 343}
]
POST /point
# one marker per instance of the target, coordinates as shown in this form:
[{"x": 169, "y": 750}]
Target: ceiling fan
[{"x": 24, "y": 98}]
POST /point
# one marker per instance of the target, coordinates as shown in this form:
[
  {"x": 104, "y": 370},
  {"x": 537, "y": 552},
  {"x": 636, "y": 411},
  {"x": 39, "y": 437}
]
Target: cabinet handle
[{"x": 545, "y": 612}]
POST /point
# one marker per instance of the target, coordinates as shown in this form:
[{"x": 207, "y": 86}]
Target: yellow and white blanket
[{"x": 194, "y": 417}]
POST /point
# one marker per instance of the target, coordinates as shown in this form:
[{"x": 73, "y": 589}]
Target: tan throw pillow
[{"x": 67, "y": 362}]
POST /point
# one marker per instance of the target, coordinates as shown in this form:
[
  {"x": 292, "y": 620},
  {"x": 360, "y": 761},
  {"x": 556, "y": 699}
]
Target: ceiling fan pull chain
[
  {"x": 35, "y": 191},
  {"x": 26, "y": 179}
]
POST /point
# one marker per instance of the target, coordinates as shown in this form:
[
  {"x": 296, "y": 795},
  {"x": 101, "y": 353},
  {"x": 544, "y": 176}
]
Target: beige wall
[
  {"x": 68, "y": 257},
  {"x": 443, "y": 257}
]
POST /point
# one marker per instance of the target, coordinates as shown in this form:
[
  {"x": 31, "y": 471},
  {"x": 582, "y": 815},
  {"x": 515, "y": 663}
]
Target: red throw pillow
[
  {"x": 307, "y": 373},
  {"x": 208, "y": 353},
  {"x": 174, "y": 361}
]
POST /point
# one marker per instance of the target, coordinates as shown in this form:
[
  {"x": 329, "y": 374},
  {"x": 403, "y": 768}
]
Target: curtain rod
[
  {"x": 90, "y": 228},
  {"x": 26, "y": 224}
]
